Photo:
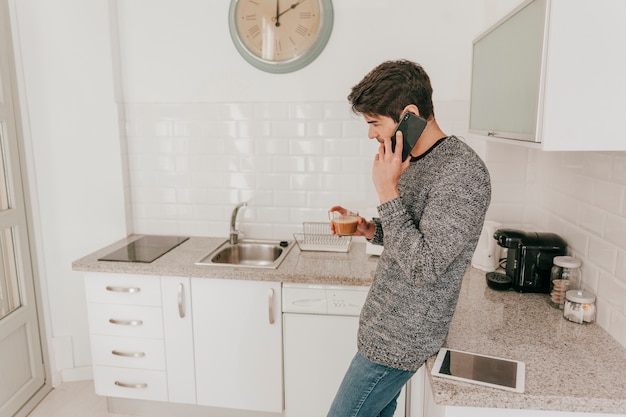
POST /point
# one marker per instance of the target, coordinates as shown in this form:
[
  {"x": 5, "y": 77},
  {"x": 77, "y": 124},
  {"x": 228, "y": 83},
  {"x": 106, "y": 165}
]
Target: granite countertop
[
  {"x": 352, "y": 268},
  {"x": 569, "y": 367}
]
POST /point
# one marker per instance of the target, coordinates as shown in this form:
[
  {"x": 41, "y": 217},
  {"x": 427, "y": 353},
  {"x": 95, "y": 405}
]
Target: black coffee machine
[{"x": 529, "y": 259}]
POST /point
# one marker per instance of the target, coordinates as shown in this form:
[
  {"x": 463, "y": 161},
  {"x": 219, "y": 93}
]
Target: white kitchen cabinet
[
  {"x": 551, "y": 73},
  {"x": 141, "y": 336},
  {"x": 178, "y": 339},
  {"x": 126, "y": 328},
  {"x": 238, "y": 344}
]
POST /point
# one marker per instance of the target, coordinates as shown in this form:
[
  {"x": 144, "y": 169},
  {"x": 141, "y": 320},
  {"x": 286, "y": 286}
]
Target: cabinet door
[
  {"x": 238, "y": 344},
  {"x": 178, "y": 336}
]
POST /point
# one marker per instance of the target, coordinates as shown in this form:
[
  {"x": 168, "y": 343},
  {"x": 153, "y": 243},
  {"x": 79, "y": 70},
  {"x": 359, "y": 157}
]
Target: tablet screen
[{"x": 481, "y": 369}]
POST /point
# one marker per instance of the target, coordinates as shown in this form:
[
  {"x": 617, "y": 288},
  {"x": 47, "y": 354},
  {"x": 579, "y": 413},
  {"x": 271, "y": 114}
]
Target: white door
[
  {"x": 178, "y": 337},
  {"x": 237, "y": 331},
  {"x": 21, "y": 361}
]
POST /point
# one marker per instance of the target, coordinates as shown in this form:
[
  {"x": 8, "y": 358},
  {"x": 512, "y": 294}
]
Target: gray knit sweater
[{"x": 429, "y": 234}]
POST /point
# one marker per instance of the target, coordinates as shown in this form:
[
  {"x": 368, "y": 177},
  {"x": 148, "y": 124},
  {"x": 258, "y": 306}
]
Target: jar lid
[
  {"x": 567, "y": 261},
  {"x": 579, "y": 296}
]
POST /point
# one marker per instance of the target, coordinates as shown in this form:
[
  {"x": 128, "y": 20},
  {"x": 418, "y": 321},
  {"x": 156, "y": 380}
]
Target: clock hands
[
  {"x": 293, "y": 6},
  {"x": 277, "y": 14}
]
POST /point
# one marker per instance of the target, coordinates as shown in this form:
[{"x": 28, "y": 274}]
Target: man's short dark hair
[{"x": 392, "y": 86}]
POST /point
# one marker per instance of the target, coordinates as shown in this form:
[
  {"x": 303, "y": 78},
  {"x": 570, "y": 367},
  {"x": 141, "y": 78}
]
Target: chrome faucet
[{"x": 234, "y": 233}]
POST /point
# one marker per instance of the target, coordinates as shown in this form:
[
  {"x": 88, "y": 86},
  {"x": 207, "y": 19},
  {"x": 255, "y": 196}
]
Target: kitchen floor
[{"x": 73, "y": 399}]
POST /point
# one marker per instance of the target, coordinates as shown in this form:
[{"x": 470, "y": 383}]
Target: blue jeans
[{"x": 368, "y": 390}]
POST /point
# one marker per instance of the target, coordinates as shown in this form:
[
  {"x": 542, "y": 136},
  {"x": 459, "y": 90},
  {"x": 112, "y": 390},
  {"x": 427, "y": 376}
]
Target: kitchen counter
[
  {"x": 569, "y": 367},
  {"x": 352, "y": 268}
]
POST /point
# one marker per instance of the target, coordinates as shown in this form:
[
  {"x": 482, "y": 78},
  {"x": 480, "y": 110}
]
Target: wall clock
[{"x": 280, "y": 36}]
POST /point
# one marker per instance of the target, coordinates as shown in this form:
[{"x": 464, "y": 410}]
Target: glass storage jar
[
  {"x": 564, "y": 276},
  {"x": 580, "y": 307}
]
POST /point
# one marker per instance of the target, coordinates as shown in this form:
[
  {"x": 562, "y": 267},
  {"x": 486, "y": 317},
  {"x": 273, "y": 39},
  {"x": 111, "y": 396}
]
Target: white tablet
[{"x": 479, "y": 369}]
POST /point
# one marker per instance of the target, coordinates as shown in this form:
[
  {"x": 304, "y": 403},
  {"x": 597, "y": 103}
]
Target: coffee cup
[{"x": 344, "y": 223}]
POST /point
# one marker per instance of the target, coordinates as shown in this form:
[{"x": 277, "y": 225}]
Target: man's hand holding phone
[{"x": 387, "y": 169}]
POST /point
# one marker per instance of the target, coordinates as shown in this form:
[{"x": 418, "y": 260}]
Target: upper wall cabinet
[{"x": 552, "y": 73}]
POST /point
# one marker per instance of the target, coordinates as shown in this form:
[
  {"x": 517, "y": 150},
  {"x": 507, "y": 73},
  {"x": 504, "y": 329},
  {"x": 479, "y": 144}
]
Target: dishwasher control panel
[{"x": 323, "y": 299}]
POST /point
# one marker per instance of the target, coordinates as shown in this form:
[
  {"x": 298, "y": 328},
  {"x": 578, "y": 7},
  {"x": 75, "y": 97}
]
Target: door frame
[{"x": 29, "y": 206}]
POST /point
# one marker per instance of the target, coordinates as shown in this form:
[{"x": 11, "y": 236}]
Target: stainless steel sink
[{"x": 249, "y": 253}]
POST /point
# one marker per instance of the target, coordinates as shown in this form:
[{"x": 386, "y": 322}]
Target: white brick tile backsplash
[
  {"x": 290, "y": 199},
  {"x": 219, "y": 129},
  {"x": 306, "y": 146},
  {"x": 324, "y": 129},
  {"x": 289, "y": 164},
  {"x": 306, "y": 182},
  {"x": 609, "y": 196},
  {"x": 325, "y": 164},
  {"x": 254, "y": 129},
  {"x": 189, "y": 164},
  {"x": 614, "y": 292},
  {"x": 592, "y": 219},
  {"x": 617, "y": 326},
  {"x": 602, "y": 253},
  {"x": 508, "y": 171},
  {"x": 306, "y": 111},
  {"x": 577, "y": 239},
  {"x": 615, "y": 231},
  {"x": 354, "y": 128},
  {"x": 271, "y": 146},
  {"x": 236, "y": 111},
  {"x": 620, "y": 267},
  {"x": 619, "y": 168},
  {"x": 271, "y": 181},
  {"x": 271, "y": 111},
  {"x": 339, "y": 111},
  {"x": 289, "y": 129},
  {"x": 599, "y": 165}
]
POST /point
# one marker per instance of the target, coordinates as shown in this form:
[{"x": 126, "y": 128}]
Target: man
[{"x": 432, "y": 208}]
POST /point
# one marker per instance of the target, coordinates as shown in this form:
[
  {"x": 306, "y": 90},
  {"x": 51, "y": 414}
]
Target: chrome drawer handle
[
  {"x": 129, "y": 354},
  {"x": 270, "y": 302},
  {"x": 181, "y": 301},
  {"x": 126, "y": 322},
  {"x": 140, "y": 385},
  {"x": 123, "y": 289}
]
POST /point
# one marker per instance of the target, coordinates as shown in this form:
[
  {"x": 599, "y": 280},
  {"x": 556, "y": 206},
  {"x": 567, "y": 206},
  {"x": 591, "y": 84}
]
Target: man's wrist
[{"x": 388, "y": 196}]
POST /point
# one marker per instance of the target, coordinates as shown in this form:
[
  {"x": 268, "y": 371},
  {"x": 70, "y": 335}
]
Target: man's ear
[{"x": 411, "y": 108}]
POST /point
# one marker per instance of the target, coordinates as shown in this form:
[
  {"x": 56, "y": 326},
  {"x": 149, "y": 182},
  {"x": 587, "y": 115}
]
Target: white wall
[
  {"x": 63, "y": 50},
  {"x": 205, "y": 130}
]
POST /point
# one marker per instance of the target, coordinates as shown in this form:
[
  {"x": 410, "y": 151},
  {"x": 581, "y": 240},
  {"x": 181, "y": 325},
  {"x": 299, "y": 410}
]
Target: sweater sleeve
[{"x": 377, "y": 239}]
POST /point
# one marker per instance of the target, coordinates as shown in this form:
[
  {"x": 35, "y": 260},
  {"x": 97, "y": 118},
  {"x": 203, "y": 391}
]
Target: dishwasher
[{"x": 320, "y": 324}]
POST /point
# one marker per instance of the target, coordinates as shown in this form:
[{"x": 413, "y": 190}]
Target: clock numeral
[
  {"x": 305, "y": 15},
  {"x": 279, "y": 46},
  {"x": 301, "y": 30},
  {"x": 249, "y": 17},
  {"x": 253, "y": 2},
  {"x": 254, "y": 31}
]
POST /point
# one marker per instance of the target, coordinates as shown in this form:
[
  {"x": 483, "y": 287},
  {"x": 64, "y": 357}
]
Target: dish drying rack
[{"x": 317, "y": 237}]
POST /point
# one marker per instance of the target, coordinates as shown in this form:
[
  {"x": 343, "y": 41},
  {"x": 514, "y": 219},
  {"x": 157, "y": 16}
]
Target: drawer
[
  {"x": 128, "y": 352},
  {"x": 127, "y": 321},
  {"x": 130, "y": 383},
  {"x": 144, "y": 290}
]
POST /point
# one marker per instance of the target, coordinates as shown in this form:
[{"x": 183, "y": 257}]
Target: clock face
[{"x": 280, "y": 35}]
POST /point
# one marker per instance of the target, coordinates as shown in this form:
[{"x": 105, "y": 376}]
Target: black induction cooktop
[{"x": 145, "y": 249}]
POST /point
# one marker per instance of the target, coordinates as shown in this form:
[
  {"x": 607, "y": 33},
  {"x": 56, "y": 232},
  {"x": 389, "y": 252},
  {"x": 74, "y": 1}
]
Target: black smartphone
[{"x": 411, "y": 127}]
